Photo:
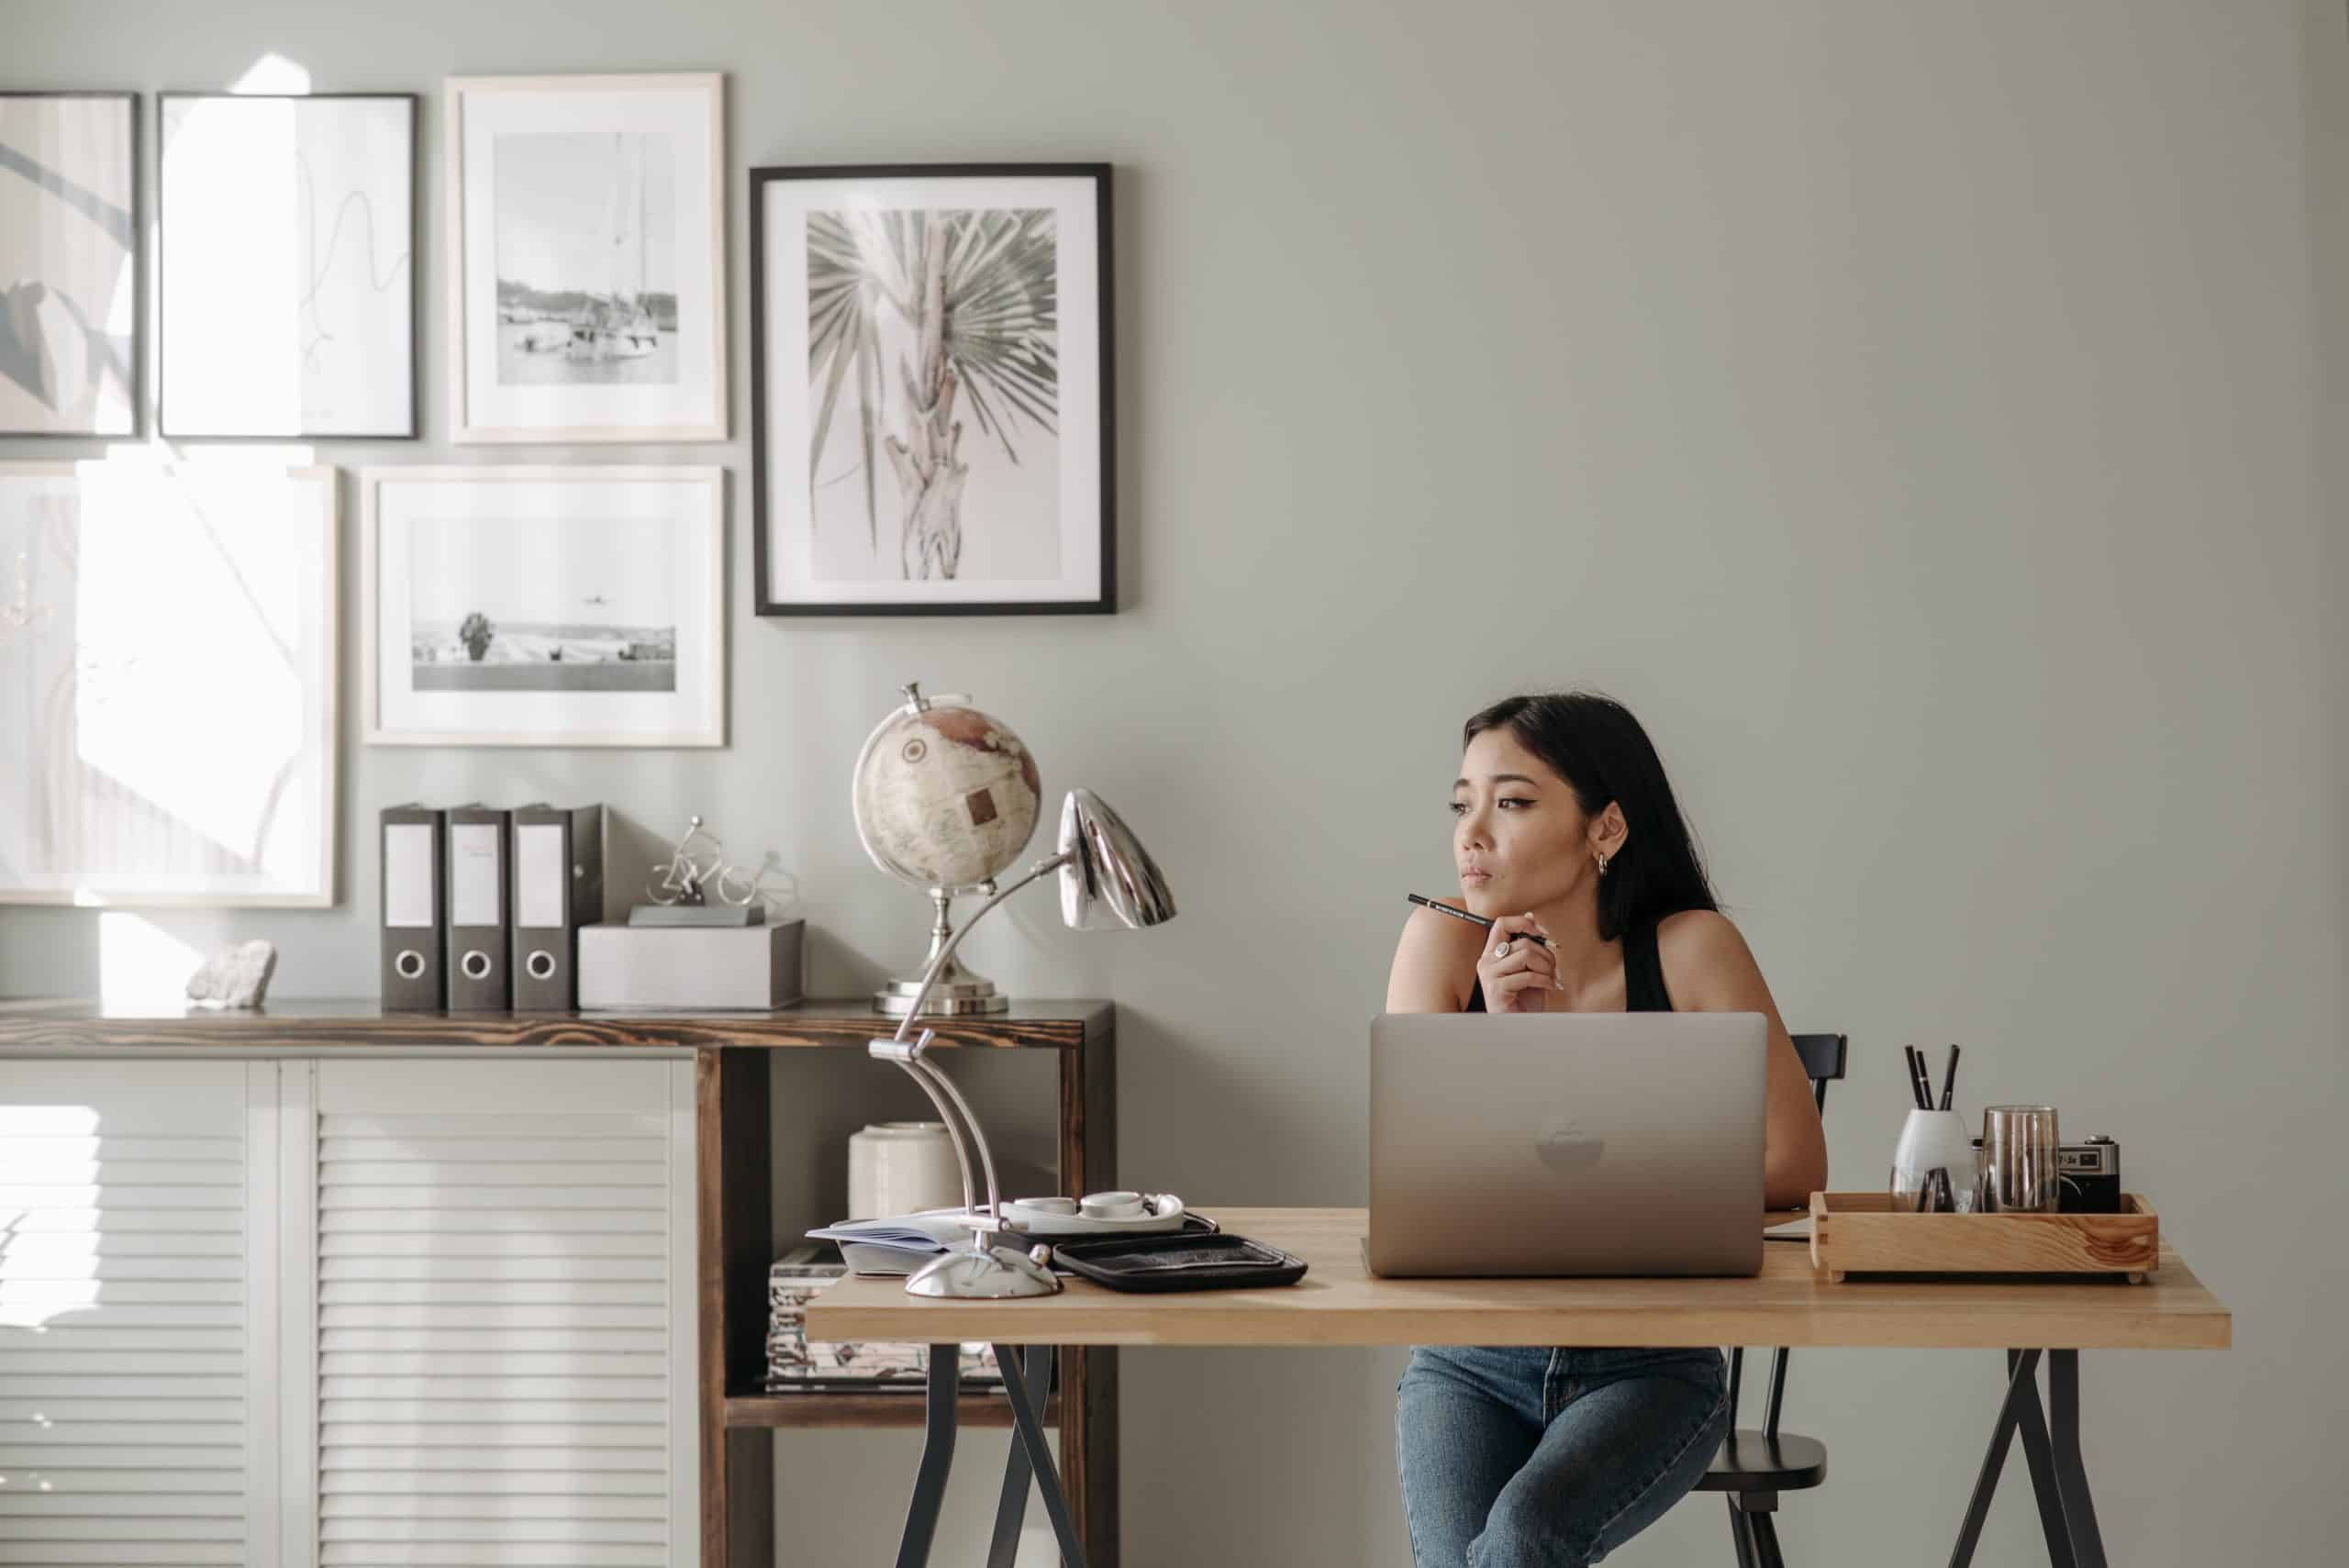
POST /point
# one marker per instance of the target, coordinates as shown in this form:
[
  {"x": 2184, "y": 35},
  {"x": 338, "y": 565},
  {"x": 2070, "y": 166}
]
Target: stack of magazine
[{"x": 796, "y": 1366}]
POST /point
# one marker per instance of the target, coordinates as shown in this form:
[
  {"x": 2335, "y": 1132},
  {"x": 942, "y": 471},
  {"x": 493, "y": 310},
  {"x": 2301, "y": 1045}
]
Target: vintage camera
[
  {"x": 2087, "y": 1176},
  {"x": 2091, "y": 1176}
]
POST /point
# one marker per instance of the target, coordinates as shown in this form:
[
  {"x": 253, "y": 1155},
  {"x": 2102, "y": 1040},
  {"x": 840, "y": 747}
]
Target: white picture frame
[
  {"x": 286, "y": 246},
  {"x": 168, "y": 672},
  {"x": 615, "y": 572},
  {"x": 70, "y": 273},
  {"x": 587, "y": 258}
]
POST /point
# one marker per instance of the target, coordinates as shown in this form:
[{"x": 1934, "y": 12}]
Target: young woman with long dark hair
[{"x": 1566, "y": 827}]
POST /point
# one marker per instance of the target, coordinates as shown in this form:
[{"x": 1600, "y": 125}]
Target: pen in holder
[{"x": 1931, "y": 1141}]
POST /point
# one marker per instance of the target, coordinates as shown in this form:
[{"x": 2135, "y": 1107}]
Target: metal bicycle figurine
[{"x": 693, "y": 870}]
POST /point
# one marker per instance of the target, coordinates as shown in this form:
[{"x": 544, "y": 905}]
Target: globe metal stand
[{"x": 956, "y": 992}]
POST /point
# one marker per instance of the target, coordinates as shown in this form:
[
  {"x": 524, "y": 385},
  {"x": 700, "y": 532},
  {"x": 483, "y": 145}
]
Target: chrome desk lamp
[{"x": 1107, "y": 881}]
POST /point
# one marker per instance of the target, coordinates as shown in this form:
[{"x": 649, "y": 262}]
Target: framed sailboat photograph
[{"x": 587, "y": 258}]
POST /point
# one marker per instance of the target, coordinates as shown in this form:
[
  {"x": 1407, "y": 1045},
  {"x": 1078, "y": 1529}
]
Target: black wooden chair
[{"x": 1753, "y": 1467}]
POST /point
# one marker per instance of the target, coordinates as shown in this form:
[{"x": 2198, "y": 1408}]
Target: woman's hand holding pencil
[
  {"x": 1514, "y": 978},
  {"x": 1518, "y": 968}
]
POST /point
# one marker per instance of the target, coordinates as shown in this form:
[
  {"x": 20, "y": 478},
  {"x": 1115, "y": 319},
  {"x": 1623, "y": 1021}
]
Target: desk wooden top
[{"x": 1338, "y": 1303}]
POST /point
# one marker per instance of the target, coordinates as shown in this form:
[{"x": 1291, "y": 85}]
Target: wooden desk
[{"x": 1340, "y": 1303}]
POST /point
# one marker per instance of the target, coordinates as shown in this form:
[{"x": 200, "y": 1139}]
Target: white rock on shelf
[{"x": 235, "y": 977}]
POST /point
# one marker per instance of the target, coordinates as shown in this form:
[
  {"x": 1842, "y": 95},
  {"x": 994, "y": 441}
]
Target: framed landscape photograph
[
  {"x": 286, "y": 241},
  {"x": 930, "y": 390},
  {"x": 543, "y": 606},
  {"x": 587, "y": 258},
  {"x": 168, "y": 679},
  {"x": 69, "y": 264}
]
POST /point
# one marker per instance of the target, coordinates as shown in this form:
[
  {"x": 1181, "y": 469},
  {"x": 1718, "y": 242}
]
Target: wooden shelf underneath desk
[{"x": 900, "y": 1408}]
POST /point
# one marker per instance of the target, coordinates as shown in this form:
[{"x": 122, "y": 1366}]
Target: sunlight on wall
[
  {"x": 272, "y": 73},
  {"x": 138, "y": 962},
  {"x": 49, "y": 1260},
  {"x": 237, "y": 163}
]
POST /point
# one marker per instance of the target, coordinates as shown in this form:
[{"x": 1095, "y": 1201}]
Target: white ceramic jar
[{"x": 902, "y": 1167}]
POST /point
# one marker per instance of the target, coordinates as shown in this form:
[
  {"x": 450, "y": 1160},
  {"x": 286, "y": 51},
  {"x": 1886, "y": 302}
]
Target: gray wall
[{"x": 1923, "y": 414}]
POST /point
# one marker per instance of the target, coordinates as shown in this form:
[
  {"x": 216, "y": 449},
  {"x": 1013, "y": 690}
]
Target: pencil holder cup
[{"x": 1929, "y": 1141}]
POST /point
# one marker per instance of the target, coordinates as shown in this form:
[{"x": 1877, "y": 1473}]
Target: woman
[{"x": 1566, "y": 829}]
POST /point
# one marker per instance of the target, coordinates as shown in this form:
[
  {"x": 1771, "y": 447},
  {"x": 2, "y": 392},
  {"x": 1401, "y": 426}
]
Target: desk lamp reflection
[{"x": 1107, "y": 882}]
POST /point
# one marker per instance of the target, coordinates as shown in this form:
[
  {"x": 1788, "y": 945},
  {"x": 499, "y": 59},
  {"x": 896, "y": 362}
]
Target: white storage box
[{"x": 700, "y": 967}]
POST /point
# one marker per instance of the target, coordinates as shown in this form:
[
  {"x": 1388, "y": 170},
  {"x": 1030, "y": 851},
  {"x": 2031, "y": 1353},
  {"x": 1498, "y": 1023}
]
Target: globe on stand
[{"x": 946, "y": 798}]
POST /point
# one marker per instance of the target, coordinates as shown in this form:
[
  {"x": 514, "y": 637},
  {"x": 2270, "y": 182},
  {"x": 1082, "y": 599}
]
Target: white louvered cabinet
[
  {"x": 502, "y": 1321},
  {"x": 138, "y": 1313},
  {"x": 348, "y": 1313}
]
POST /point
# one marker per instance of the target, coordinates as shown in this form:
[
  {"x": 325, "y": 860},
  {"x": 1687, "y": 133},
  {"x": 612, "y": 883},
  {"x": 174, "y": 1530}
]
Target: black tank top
[{"x": 1644, "y": 989}]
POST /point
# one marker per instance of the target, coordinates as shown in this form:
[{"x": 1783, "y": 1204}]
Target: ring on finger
[{"x": 1502, "y": 950}]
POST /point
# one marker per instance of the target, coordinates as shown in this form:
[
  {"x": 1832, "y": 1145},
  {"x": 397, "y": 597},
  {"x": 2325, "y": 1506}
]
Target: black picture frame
[
  {"x": 1103, "y": 600},
  {"x": 136, "y": 380},
  {"x": 415, "y": 292}
]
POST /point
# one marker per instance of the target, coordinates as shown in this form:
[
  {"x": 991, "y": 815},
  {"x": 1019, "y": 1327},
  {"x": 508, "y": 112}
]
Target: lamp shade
[{"x": 1108, "y": 880}]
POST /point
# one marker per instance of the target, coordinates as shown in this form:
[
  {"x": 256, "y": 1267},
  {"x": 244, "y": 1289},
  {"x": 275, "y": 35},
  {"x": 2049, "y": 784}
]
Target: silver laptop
[{"x": 1567, "y": 1144}]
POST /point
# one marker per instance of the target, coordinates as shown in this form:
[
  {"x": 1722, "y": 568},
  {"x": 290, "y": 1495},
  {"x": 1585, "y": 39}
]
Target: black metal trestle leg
[
  {"x": 937, "y": 1455},
  {"x": 2031, "y": 1425},
  {"x": 2023, "y": 1370},
  {"x": 2051, "y": 1443},
  {"x": 1040, "y": 1454},
  {"x": 2071, "y": 1476},
  {"x": 1004, "y": 1548}
]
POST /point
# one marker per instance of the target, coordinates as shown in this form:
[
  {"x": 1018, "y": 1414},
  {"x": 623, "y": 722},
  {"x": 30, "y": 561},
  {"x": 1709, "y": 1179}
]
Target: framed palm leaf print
[{"x": 931, "y": 376}]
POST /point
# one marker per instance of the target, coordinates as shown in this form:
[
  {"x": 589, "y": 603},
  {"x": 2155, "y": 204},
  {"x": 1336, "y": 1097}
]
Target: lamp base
[{"x": 989, "y": 1275}]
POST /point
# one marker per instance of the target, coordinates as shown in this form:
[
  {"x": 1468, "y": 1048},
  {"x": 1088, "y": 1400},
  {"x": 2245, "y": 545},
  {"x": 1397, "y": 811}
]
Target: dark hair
[{"x": 1593, "y": 743}]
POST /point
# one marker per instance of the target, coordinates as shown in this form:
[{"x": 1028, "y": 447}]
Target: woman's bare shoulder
[
  {"x": 1701, "y": 949},
  {"x": 1434, "y": 961}
]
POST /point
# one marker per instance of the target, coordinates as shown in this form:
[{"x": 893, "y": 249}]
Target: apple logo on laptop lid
[{"x": 1566, "y": 1148}]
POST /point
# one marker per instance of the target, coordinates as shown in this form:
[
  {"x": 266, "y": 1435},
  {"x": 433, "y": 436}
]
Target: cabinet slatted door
[
  {"x": 138, "y": 1313},
  {"x": 504, "y": 1314}
]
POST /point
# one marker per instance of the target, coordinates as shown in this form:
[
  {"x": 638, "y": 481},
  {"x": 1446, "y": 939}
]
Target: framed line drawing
[
  {"x": 167, "y": 677},
  {"x": 930, "y": 385},
  {"x": 586, "y": 266},
  {"x": 69, "y": 274},
  {"x": 571, "y": 606},
  {"x": 287, "y": 244}
]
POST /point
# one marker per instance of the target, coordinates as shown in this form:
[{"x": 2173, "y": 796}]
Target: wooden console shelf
[{"x": 734, "y": 1218}]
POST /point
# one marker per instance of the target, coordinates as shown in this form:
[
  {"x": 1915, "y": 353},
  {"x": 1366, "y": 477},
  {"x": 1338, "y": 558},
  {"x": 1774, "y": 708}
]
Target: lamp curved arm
[
  {"x": 937, "y": 964},
  {"x": 932, "y": 1081},
  {"x": 987, "y": 1159},
  {"x": 962, "y": 1153}
]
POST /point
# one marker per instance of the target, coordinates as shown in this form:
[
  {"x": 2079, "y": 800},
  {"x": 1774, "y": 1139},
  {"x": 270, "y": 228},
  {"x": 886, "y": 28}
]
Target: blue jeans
[{"x": 1525, "y": 1457}]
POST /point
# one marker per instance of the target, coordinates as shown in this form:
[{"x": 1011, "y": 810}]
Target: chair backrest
[{"x": 1824, "y": 1057}]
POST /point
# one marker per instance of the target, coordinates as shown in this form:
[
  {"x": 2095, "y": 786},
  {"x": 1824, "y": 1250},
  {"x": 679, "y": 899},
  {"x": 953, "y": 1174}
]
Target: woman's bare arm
[
  {"x": 1435, "y": 954},
  {"x": 1708, "y": 969}
]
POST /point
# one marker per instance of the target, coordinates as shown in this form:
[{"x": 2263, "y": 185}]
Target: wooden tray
[{"x": 1852, "y": 1233}]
